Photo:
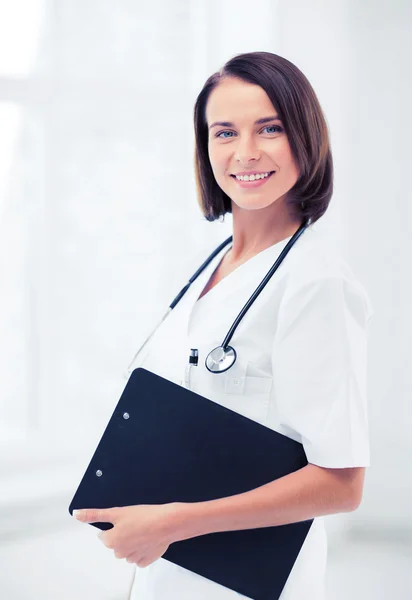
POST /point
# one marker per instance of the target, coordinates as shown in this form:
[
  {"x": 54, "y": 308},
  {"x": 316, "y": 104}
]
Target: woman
[{"x": 262, "y": 153}]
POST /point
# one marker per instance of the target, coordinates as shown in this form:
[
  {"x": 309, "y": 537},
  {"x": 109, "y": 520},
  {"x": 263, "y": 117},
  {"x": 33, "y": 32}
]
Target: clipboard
[{"x": 165, "y": 443}]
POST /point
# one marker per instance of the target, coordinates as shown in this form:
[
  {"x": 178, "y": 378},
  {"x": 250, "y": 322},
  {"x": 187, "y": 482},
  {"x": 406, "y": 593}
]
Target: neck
[{"x": 256, "y": 230}]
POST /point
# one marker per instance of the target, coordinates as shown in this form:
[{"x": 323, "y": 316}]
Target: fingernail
[{"x": 76, "y": 513}]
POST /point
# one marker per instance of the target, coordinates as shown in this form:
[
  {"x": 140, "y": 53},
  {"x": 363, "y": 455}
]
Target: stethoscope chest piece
[{"x": 220, "y": 359}]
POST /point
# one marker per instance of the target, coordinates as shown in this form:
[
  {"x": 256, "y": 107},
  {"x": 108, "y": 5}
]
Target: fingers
[
  {"x": 107, "y": 539},
  {"x": 140, "y": 561},
  {"x": 95, "y": 515},
  {"x": 134, "y": 557},
  {"x": 150, "y": 556}
]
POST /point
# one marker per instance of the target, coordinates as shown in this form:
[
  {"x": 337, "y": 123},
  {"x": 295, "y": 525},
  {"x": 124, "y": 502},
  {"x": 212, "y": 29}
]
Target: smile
[{"x": 252, "y": 183}]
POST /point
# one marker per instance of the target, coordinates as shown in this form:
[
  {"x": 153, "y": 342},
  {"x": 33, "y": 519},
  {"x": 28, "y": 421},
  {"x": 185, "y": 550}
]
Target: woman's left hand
[{"x": 141, "y": 534}]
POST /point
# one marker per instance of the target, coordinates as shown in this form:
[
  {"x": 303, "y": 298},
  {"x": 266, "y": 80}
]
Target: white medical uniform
[{"x": 300, "y": 370}]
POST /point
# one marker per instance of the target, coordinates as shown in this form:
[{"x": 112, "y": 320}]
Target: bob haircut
[{"x": 298, "y": 107}]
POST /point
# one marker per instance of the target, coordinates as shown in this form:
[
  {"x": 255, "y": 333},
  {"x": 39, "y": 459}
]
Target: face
[{"x": 245, "y": 137}]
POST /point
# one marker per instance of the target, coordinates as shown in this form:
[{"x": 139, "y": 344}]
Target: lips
[
  {"x": 255, "y": 173},
  {"x": 254, "y": 183}
]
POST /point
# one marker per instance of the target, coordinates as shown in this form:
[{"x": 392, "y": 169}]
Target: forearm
[{"x": 307, "y": 493}]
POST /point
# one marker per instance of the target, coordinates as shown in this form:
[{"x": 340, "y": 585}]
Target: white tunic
[{"x": 300, "y": 370}]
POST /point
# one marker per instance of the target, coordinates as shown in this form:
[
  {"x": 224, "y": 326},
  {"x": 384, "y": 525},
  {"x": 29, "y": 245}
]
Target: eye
[
  {"x": 219, "y": 134},
  {"x": 277, "y": 129}
]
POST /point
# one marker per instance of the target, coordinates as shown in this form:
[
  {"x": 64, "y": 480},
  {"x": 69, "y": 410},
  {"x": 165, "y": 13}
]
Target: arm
[
  {"x": 142, "y": 533},
  {"x": 319, "y": 365},
  {"x": 307, "y": 493}
]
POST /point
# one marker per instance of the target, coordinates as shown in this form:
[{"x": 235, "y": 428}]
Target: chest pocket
[
  {"x": 248, "y": 396},
  {"x": 244, "y": 393}
]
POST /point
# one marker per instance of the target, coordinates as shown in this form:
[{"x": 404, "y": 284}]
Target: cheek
[
  {"x": 282, "y": 153},
  {"x": 286, "y": 162},
  {"x": 217, "y": 157}
]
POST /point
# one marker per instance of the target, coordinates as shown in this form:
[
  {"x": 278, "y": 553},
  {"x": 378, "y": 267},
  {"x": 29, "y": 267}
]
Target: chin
[{"x": 253, "y": 204}]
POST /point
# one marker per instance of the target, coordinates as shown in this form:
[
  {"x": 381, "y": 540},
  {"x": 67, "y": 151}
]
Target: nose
[{"x": 247, "y": 151}]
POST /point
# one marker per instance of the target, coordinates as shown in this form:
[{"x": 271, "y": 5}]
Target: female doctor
[{"x": 263, "y": 154}]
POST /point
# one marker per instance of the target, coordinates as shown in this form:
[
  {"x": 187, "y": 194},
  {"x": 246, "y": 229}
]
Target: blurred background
[{"x": 100, "y": 227}]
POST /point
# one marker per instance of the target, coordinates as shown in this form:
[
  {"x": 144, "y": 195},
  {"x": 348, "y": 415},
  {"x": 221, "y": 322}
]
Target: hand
[{"x": 141, "y": 534}]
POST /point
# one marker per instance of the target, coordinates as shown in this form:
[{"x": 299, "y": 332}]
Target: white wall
[
  {"x": 378, "y": 216},
  {"x": 91, "y": 253}
]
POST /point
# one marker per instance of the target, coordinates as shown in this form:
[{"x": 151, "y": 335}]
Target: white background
[{"x": 99, "y": 229}]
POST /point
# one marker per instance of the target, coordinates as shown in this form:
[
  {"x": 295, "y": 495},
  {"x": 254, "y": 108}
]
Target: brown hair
[{"x": 301, "y": 114}]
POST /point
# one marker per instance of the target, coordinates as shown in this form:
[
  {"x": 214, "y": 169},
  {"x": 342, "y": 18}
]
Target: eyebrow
[{"x": 258, "y": 122}]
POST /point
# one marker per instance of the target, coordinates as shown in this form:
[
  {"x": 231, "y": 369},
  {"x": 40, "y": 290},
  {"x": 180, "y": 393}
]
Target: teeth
[{"x": 252, "y": 177}]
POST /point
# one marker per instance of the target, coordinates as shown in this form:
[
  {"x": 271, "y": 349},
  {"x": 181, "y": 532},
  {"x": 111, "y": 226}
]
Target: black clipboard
[{"x": 165, "y": 443}]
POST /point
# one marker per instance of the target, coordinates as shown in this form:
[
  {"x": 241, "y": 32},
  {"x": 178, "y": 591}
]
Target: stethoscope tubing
[
  {"x": 175, "y": 301},
  {"x": 225, "y": 344},
  {"x": 262, "y": 284},
  {"x": 199, "y": 271}
]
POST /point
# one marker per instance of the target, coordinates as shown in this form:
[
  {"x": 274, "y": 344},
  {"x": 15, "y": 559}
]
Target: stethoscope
[{"x": 223, "y": 357}]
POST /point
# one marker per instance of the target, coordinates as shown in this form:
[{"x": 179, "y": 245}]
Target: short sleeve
[{"x": 319, "y": 360}]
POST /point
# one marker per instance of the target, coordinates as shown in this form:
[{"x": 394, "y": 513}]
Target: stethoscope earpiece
[{"x": 220, "y": 359}]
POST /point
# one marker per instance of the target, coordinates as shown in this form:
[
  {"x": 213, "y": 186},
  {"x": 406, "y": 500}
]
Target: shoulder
[
  {"x": 317, "y": 266},
  {"x": 314, "y": 257}
]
